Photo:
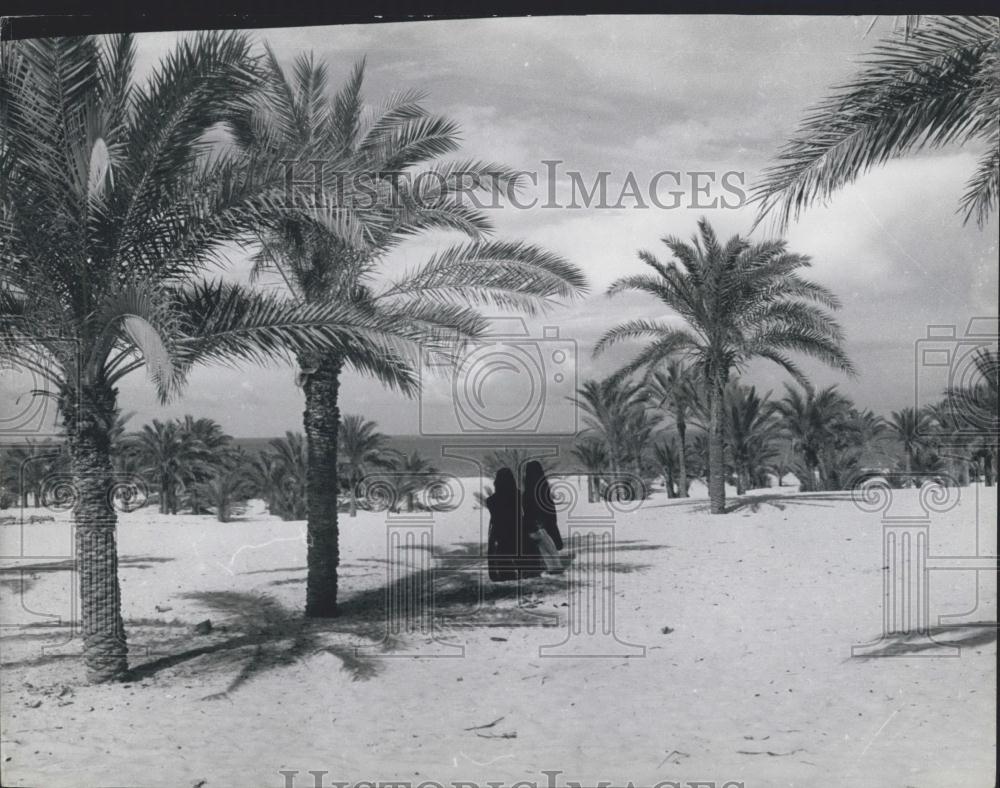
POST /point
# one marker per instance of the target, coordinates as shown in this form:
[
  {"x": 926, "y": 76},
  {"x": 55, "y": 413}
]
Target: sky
[{"x": 642, "y": 95}]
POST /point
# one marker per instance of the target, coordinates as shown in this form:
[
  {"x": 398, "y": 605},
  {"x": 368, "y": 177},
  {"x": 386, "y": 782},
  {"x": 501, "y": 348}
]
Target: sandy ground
[{"x": 730, "y": 658}]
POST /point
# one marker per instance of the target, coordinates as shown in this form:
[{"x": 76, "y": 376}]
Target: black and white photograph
[{"x": 499, "y": 401}]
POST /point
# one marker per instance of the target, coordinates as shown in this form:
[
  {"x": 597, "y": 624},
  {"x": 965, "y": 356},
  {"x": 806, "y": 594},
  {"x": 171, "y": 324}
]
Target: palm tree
[
  {"x": 912, "y": 427},
  {"x": 362, "y": 449},
  {"x": 974, "y": 413},
  {"x": 812, "y": 420},
  {"x": 414, "y": 472},
  {"x": 609, "y": 407},
  {"x": 429, "y": 307},
  {"x": 111, "y": 205},
  {"x": 666, "y": 454},
  {"x": 217, "y": 447},
  {"x": 673, "y": 390},
  {"x": 171, "y": 455},
  {"x": 26, "y": 468},
  {"x": 740, "y": 301},
  {"x": 930, "y": 85},
  {"x": 593, "y": 456},
  {"x": 750, "y": 433},
  {"x": 228, "y": 485},
  {"x": 281, "y": 474}
]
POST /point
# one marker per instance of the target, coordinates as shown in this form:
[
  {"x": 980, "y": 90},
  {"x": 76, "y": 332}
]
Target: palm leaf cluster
[{"x": 927, "y": 86}]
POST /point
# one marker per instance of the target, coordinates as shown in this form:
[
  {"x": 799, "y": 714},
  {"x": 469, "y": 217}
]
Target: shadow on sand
[
  {"x": 976, "y": 633},
  {"x": 253, "y": 633}
]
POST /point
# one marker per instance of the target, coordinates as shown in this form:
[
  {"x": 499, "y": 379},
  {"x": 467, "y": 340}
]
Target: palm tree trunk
[
  {"x": 105, "y": 651},
  {"x": 682, "y": 474},
  {"x": 353, "y": 507},
  {"x": 716, "y": 451},
  {"x": 321, "y": 421}
]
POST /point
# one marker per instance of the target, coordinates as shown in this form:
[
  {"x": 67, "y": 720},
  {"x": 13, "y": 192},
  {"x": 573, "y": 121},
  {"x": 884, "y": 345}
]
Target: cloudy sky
[{"x": 642, "y": 95}]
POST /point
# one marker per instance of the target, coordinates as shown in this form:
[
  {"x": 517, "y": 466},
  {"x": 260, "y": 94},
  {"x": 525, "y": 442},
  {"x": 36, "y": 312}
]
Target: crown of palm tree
[
  {"x": 929, "y": 85},
  {"x": 394, "y": 151},
  {"x": 739, "y": 301},
  {"x": 114, "y": 200}
]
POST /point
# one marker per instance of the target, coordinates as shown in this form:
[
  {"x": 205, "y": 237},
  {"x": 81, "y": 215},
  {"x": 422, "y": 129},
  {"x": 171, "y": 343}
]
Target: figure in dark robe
[
  {"x": 511, "y": 555},
  {"x": 539, "y": 510}
]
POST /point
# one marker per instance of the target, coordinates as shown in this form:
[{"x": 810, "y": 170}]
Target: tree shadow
[
  {"x": 69, "y": 564},
  {"x": 253, "y": 633},
  {"x": 267, "y": 635},
  {"x": 977, "y": 633},
  {"x": 781, "y": 501}
]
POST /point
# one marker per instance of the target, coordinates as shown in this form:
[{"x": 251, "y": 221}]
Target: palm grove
[{"x": 117, "y": 198}]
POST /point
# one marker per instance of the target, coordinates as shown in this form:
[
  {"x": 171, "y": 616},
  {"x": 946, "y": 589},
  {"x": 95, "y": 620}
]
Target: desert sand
[{"x": 730, "y": 660}]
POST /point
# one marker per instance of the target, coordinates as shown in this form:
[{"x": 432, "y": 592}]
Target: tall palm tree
[
  {"x": 362, "y": 449},
  {"x": 112, "y": 203},
  {"x": 911, "y": 427},
  {"x": 739, "y": 301},
  {"x": 672, "y": 389},
  {"x": 812, "y": 420},
  {"x": 929, "y": 85},
  {"x": 427, "y": 308}
]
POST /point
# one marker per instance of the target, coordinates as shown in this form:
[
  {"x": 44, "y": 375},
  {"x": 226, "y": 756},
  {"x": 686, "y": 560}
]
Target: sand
[{"x": 731, "y": 658}]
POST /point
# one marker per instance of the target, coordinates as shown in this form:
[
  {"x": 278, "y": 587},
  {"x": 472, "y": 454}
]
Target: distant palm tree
[
  {"x": 413, "y": 473},
  {"x": 424, "y": 310},
  {"x": 217, "y": 449},
  {"x": 27, "y": 467},
  {"x": 362, "y": 449},
  {"x": 171, "y": 455},
  {"x": 912, "y": 427},
  {"x": 592, "y": 454},
  {"x": 666, "y": 454},
  {"x": 751, "y": 433},
  {"x": 812, "y": 420},
  {"x": 739, "y": 301},
  {"x": 280, "y": 475},
  {"x": 672, "y": 388},
  {"x": 609, "y": 407},
  {"x": 974, "y": 412},
  {"x": 228, "y": 486},
  {"x": 930, "y": 85},
  {"x": 111, "y": 206}
]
